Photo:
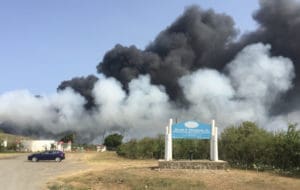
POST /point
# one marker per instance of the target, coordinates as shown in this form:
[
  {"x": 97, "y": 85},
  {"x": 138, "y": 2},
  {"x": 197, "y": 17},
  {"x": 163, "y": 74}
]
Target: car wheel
[
  {"x": 34, "y": 159},
  {"x": 57, "y": 159}
]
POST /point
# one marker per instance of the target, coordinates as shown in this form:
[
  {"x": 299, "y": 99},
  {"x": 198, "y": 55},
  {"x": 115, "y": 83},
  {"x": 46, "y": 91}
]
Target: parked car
[{"x": 47, "y": 155}]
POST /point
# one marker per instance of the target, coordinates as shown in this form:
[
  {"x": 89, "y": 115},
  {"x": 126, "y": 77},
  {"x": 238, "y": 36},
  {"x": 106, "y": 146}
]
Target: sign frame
[
  {"x": 213, "y": 139},
  {"x": 191, "y": 130}
]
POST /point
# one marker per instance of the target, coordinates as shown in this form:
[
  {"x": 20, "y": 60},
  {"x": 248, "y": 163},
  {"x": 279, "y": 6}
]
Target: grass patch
[
  {"x": 256, "y": 183},
  {"x": 108, "y": 171},
  {"x": 60, "y": 187},
  {"x": 106, "y": 156},
  {"x": 150, "y": 182},
  {"x": 126, "y": 179}
]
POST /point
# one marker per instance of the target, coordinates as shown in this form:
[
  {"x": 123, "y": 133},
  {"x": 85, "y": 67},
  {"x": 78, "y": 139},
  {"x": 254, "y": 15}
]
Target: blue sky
[{"x": 45, "y": 42}]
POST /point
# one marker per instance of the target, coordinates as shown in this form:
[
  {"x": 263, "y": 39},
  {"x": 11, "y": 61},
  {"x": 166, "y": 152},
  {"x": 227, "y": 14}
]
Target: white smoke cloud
[
  {"x": 252, "y": 83},
  {"x": 257, "y": 75},
  {"x": 57, "y": 112},
  {"x": 144, "y": 109},
  {"x": 22, "y": 108},
  {"x": 208, "y": 91},
  {"x": 109, "y": 97}
]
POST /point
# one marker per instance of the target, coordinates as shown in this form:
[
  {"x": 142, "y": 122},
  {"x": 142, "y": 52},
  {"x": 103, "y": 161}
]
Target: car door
[
  {"x": 55, "y": 154},
  {"x": 44, "y": 155},
  {"x": 51, "y": 155}
]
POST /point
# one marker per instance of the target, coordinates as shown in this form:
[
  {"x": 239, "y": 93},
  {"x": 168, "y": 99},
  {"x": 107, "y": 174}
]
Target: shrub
[
  {"x": 113, "y": 141},
  {"x": 243, "y": 146},
  {"x": 246, "y": 145}
]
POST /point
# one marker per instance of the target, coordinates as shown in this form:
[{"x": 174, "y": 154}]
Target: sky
[{"x": 45, "y": 42}]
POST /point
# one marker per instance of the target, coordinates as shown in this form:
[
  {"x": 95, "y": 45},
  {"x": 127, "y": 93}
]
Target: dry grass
[
  {"x": 108, "y": 171},
  {"x": 9, "y": 155}
]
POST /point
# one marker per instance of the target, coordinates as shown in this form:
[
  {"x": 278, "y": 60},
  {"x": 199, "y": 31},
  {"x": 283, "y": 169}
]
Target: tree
[
  {"x": 68, "y": 137},
  {"x": 1, "y": 145},
  {"x": 113, "y": 141}
]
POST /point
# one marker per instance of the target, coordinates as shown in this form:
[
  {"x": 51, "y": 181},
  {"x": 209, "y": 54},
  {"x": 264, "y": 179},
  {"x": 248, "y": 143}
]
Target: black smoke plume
[
  {"x": 195, "y": 40},
  {"x": 83, "y": 86},
  {"x": 205, "y": 39},
  {"x": 279, "y": 25}
]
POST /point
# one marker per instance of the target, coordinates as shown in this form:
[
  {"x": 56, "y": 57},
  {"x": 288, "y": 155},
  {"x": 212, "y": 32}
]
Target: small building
[
  {"x": 42, "y": 145},
  {"x": 37, "y": 145},
  {"x": 4, "y": 143},
  {"x": 66, "y": 147},
  {"x": 101, "y": 148}
]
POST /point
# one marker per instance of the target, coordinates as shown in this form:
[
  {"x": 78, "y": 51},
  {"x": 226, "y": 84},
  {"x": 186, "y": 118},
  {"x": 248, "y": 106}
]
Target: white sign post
[
  {"x": 213, "y": 142},
  {"x": 168, "y": 141}
]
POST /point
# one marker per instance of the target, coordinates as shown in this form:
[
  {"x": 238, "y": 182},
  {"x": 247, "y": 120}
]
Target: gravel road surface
[{"x": 16, "y": 173}]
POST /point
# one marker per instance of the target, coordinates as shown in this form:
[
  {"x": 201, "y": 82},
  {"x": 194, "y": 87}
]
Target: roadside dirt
[
  {"x": 106, "y": 166},
  {"x": 85, "y": 170},
  {"x": 18, "y": 173}
]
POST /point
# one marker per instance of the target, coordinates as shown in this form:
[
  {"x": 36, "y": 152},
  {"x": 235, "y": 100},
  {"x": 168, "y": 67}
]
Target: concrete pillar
[
  {"x": 167, "y": 144},
  {"x": 215, "y": 146},
  {"x": 69, "y": 147},
  {"x": 212, "y": 140},
  {"x": 168, "y": 141}
]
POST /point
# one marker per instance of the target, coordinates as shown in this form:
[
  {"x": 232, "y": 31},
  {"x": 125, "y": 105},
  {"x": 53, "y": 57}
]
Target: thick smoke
[
  {"x": 254, "y": 82},
  {"x": 195, "y": 69},
  {"x": 82, "y": 85},
  {"x": 202, "y": 38},
  {"x": 59, "y": 111},
  {"x": 279, "y": 26},
  {"x": 196, "y": 39},
  {"x": 245, "y": 93}
]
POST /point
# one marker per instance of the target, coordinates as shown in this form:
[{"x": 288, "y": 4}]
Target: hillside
[{"x": 11, "y": 138}]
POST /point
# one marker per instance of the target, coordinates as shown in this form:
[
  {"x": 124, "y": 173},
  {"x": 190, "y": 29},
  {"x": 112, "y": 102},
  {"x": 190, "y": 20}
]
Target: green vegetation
[
  {"x": 68, "y": 137},
  {"x": 190, "y": 149},
  {"x": 84, "y": 147},
  {"x": 12, "y": 142},
  {"x": 113, "y": 141},
  {"x": 142, "y": 149},
  {"x": 1, "y": 146},
  {"x": 243, "y": 146},
  {"x": 246, "y": 145}
]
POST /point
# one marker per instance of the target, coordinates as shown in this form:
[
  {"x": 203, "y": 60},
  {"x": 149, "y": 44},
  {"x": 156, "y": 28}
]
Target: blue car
[{"x": 47, "y": 155}]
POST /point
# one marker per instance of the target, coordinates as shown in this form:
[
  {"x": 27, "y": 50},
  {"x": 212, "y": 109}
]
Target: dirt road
[{"x": 17, "y": 173}]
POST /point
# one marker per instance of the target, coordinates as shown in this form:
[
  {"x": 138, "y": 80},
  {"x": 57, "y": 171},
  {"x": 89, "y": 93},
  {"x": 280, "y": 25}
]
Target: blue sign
[{"x": 191, "y": 130}]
